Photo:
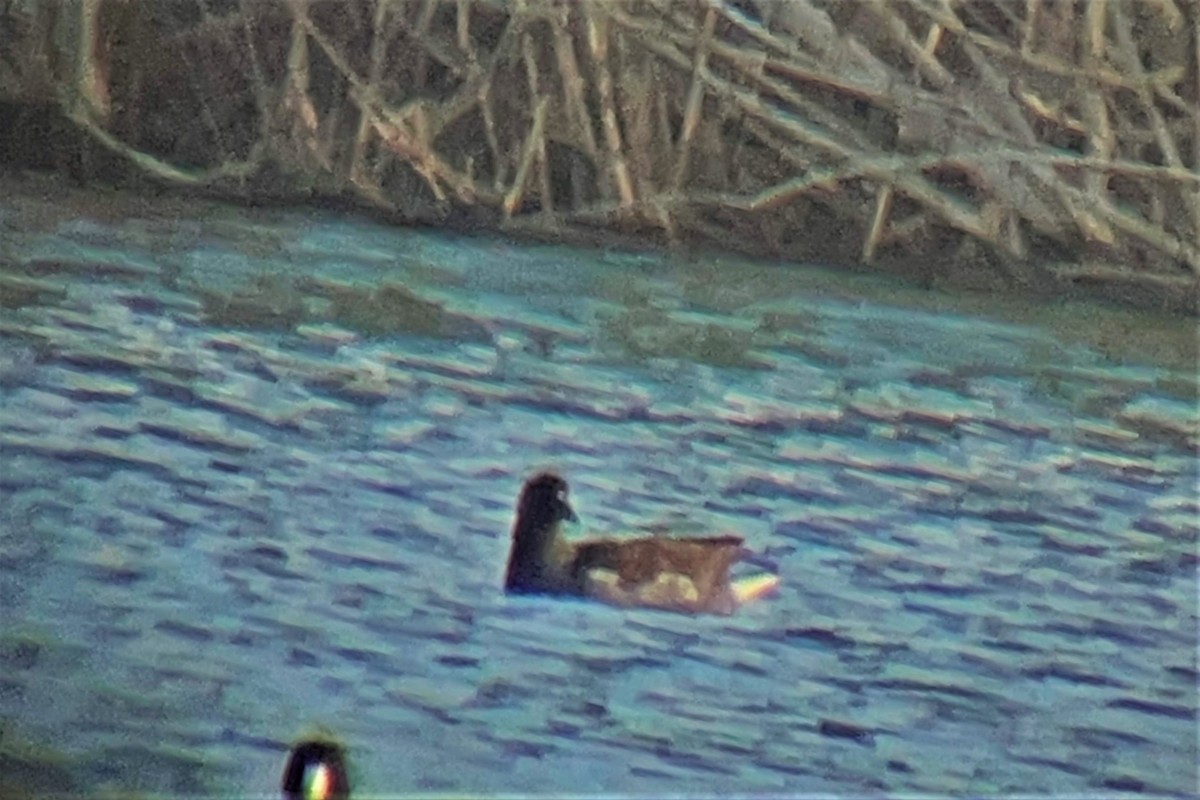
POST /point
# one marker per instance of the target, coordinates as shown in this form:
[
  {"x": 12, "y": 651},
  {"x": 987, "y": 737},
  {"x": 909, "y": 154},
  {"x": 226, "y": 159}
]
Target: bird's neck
[
  {"x": 538, "y": 542},
  {"x": 538, "y": 556}
]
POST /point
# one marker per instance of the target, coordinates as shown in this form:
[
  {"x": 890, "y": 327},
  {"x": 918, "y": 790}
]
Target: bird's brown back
[{"x": 636, "y": 561}]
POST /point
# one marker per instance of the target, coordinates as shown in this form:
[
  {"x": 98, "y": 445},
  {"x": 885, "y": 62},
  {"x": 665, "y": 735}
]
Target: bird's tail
[{"x": 753, "y": 587}]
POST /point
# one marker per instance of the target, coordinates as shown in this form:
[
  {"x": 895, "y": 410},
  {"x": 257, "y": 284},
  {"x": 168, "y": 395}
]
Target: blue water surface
[{"x": 224, "y": 534}]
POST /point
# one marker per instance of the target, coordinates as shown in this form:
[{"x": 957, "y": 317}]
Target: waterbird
[
  {"x": 688, "y": 575},
  {"x": 316, "y": 770}
]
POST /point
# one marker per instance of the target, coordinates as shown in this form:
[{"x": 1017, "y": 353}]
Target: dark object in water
[
  {"x": 685, "y": 575},
  {"x": 316, "y": 770}
]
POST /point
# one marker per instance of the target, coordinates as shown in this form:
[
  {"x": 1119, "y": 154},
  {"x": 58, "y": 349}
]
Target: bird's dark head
[
  {"x": 544, "y": 503},
  {"x": 316, "y": 770}
]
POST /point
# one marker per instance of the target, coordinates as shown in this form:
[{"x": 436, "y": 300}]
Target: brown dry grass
[{"x": 1046, "y": 146}]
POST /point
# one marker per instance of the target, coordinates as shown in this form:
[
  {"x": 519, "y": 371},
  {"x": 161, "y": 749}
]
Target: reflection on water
[{"x": 258, "y": 472}]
